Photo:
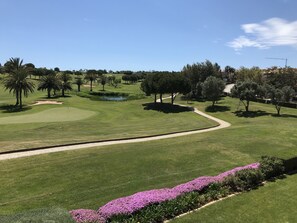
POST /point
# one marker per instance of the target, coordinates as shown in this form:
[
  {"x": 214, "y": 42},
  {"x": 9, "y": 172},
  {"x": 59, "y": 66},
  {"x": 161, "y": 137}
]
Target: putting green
[{"x": 50, "y": 115}]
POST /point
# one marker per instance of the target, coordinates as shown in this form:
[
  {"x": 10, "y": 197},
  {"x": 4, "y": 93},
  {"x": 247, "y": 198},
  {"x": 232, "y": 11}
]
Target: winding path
[{"x": 222, "y": 124}]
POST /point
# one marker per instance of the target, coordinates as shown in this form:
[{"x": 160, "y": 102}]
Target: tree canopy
[
  {"x": 165, "y": 82},
  {"x": 212, "y": 89},
  {"x": 279, "y": 96},
  {"x": 246, "y": 91},
  {"x": 197, "y": 73},
  {"x": 49, "y": 81},
  {"x": 17, "y": 80}
]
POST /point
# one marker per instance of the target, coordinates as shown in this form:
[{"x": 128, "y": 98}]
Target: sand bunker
[{"x": 48, "y": 103}]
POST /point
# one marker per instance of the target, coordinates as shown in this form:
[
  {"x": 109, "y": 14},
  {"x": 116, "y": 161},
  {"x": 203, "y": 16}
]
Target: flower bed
[{"x": 131, "y": 204}]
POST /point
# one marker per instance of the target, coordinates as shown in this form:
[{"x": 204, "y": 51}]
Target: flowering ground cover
[{"x": 130, "y": 204}]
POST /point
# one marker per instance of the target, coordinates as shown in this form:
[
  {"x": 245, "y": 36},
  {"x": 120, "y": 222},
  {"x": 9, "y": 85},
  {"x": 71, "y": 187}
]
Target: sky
[{"x": 148, "y": 34}]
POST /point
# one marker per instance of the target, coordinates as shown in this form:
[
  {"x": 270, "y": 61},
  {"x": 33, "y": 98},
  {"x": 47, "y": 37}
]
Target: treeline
[
  {"x": 17, "y": 79},
  {"x": 195, "y": 81}
]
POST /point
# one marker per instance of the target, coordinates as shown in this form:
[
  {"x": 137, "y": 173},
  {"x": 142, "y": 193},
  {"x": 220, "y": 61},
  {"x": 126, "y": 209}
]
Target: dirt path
[{"x": 222, "y": 124}]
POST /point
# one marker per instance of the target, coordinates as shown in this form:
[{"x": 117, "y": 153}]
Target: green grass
[
  {"x": 45, "y": 215},
  {"x": 91, "y": 177},
  {"x": 275, "y": 202},
  {"x": 64, "y": 114},
  {"x": 81, "y": 119}
]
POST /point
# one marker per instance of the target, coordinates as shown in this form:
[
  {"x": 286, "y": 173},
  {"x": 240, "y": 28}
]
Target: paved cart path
[{"x": 221, "y": 124}]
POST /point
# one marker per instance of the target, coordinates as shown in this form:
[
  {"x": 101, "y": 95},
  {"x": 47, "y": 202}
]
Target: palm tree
[
  {"x": 103, "y": 80},
  {"x": 11, "y": 65},
  {"x": 78, "y": 82},
  {"x": 49, "y": 82},
  {"x": 17, "y": 81},
  {"x": 65, "y": 82},
  {"x": 91, "y": 77}
]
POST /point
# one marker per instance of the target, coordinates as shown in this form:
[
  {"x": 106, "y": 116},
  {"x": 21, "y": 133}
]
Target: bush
[
  {"x": 271, "y": 167},
  {"x": 244, "y": 180},
  {"x": 216, "y": 191}
]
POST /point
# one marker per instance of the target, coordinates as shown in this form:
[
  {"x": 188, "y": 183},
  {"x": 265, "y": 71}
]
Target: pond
[{"x": 114, "y": 98}]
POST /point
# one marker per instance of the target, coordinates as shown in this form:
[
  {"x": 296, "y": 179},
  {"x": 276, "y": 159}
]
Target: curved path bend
[{"x": 222, "y": 124}]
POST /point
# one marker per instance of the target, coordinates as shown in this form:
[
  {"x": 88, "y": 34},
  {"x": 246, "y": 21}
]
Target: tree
[
  {"x": 229, "y": 74},
  {"x": 254, "y": 74},
  {"x": 1, "y": 69},
  {"x": 116, "y": 82},
  {"x": 212, "y": 89},
  {"x": 111, "y": 79},
  {"x": 246, "y": 91},
  {"x": 131, "y": 78},
  {"x": 78, "y": 82},
  {"x": 283, "y": 77},
  {"x": 103, "y": 80},
  {"x": 150, "y": 85},
  {"x": 173, "y": 83},
  {"x": 279, "y": 96},
  {"x": 91, "y": 76},
  {"x": 49, "y": 82},
  {"x": 17, "y": 80},
  {"x": 198, "y": 72},
  {"x": 39, "y": 72},
  {"x": 165, "y": 82},
  {"x": 65, "y": 80},
  {"x": 30, "y": 67},
  {"x": 57, "y": 69}
]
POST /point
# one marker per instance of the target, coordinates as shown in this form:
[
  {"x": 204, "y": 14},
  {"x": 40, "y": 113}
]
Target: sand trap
[{"x": 48, "y": 103}]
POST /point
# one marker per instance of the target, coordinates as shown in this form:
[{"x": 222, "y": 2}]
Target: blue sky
[{"x": 148, "y": 34}]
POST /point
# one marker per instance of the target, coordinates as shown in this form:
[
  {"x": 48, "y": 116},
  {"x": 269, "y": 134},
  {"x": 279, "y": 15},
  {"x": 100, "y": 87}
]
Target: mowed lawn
[
  {"x": 89, "y": 178},
  {"x": 81, "y": 119},
  {"x": 275, "y": 202}
]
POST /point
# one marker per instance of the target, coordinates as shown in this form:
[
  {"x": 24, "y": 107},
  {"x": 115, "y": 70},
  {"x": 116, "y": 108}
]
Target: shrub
[
  {"x": 244, "y": 180},
  {"x": 217, "y": 190},
  {"x": 271, "y": 167}
]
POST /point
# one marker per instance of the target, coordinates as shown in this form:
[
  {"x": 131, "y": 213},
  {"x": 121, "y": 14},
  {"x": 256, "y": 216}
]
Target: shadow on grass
[
  {"x": 55, "y": 97},
  {"x": 166, "y": 107},
  {"x": 284, "y": 116},
  {"x": 13, "y": 108},
  {"x": 274, "y": 179},
  {"x": 217, "y": 108},
  {"x": 251, "y": 114}
]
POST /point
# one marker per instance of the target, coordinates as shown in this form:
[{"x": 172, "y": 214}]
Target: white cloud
[{"x": 269, "y": 33}]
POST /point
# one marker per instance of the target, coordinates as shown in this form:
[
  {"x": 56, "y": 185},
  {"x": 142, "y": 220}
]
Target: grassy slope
[
  {"x": 108, "y": 120},
  {"x": 275, "y": 202},
  {"x": 91, "y": 177}
]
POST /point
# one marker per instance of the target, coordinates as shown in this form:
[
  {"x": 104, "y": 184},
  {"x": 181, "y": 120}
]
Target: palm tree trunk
[
  {"x": 21, "y": 103},
  {"x": 48, "y": 92},
  {"x": 17, "y": 97},
  {"x": 172, "y": 98},
  {"x": 78, "y": 88},
  {"x": 161, "y": 100},
  {"x": 91, "y": 86},
  {"x": 63, "y": 93}
]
